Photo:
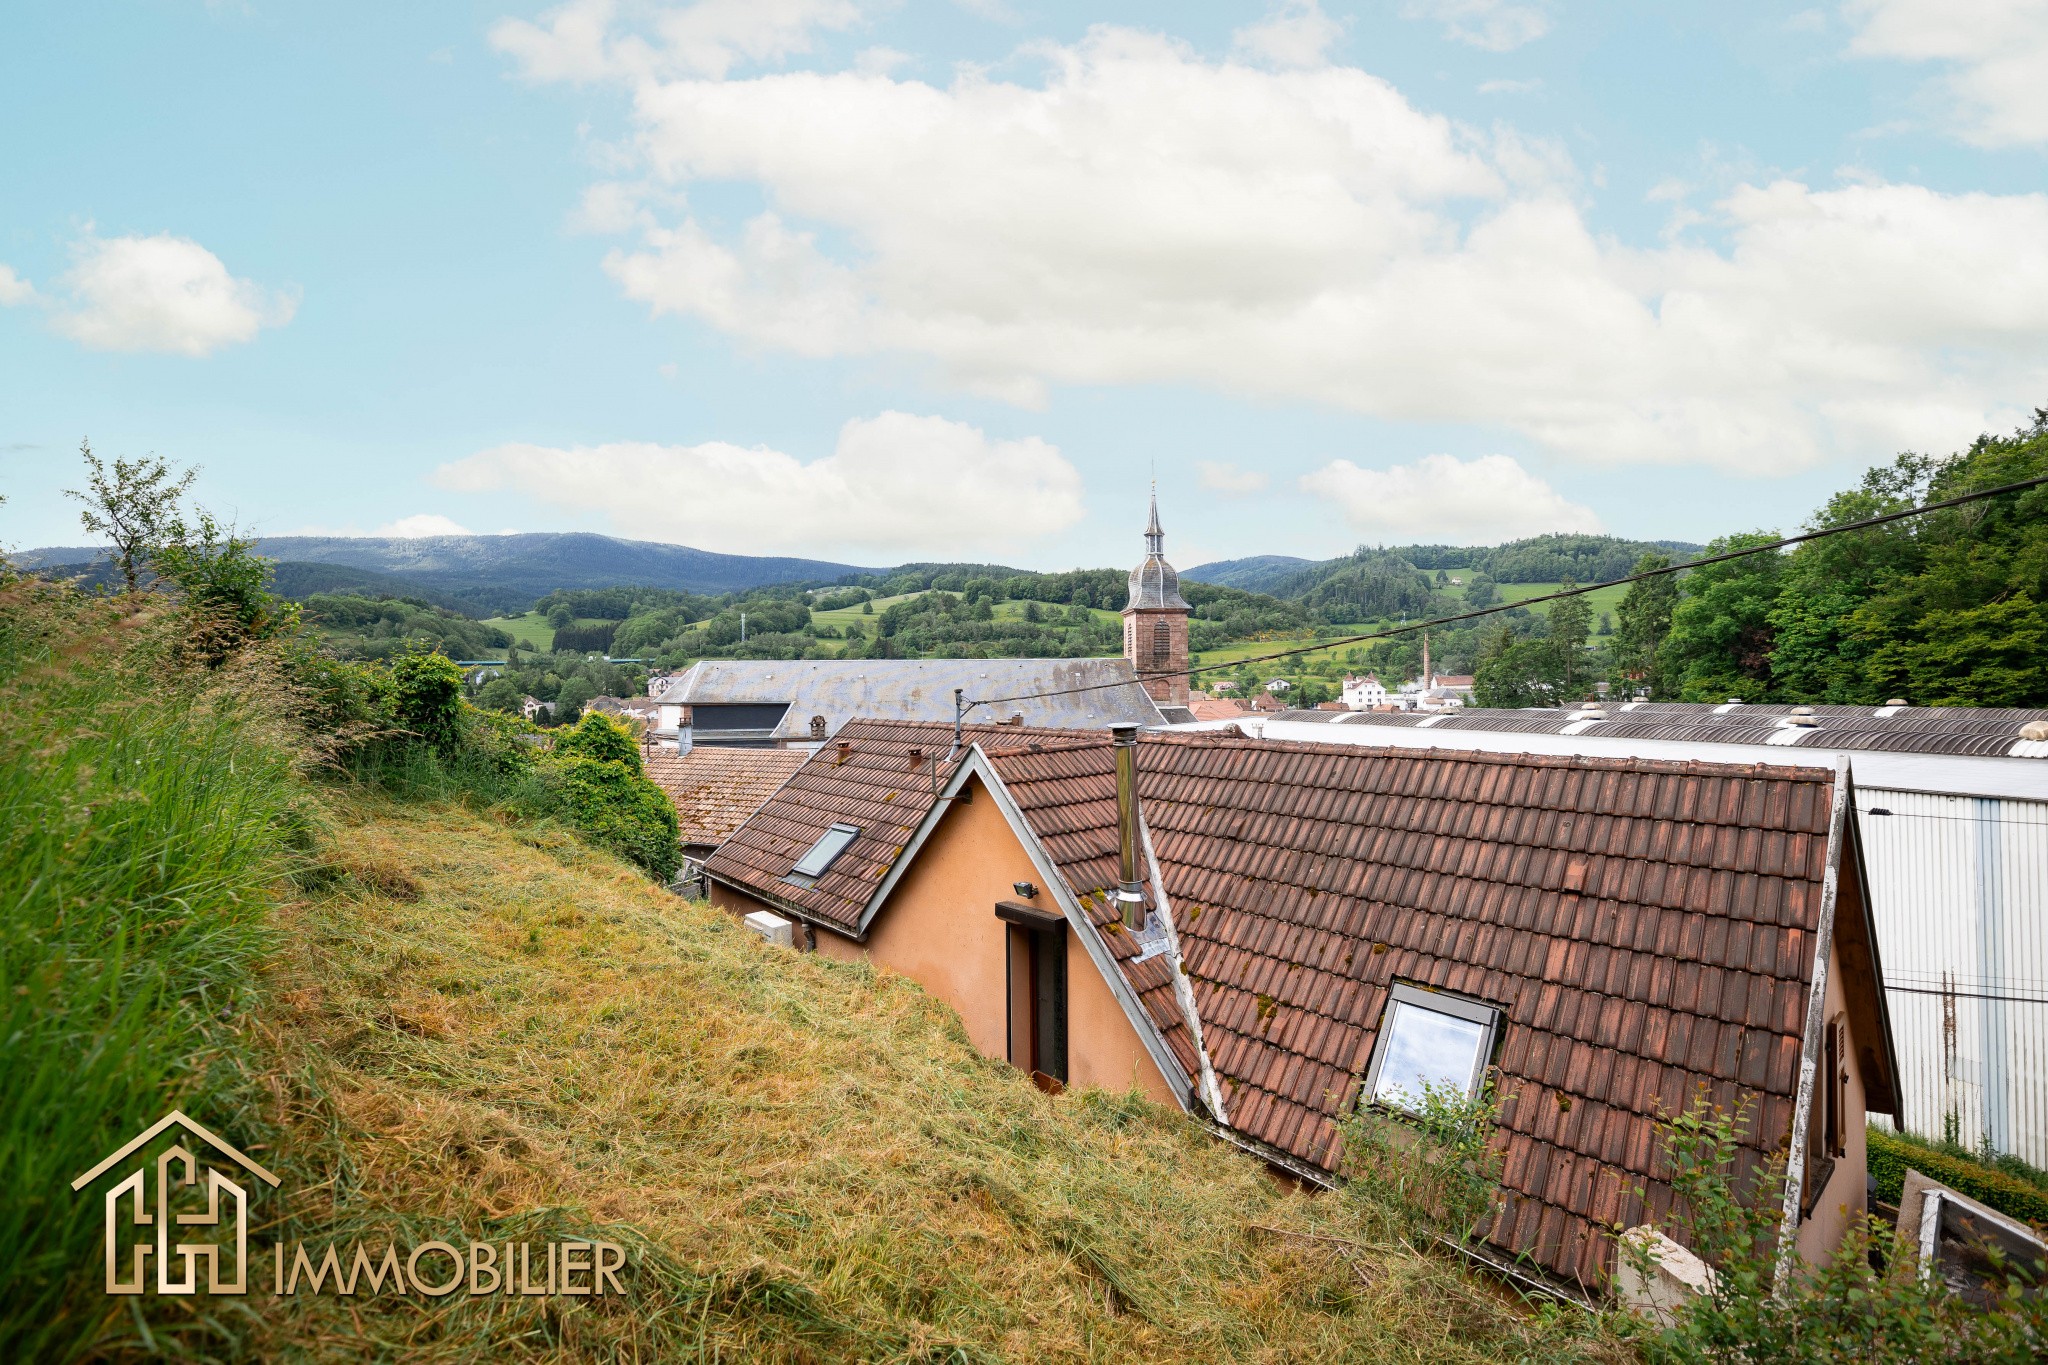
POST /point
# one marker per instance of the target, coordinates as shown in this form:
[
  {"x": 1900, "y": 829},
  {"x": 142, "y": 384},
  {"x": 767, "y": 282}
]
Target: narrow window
[
  {"x": 1430, "y": 1042},
  {"x": 1162, "y": 641},
  {"x": 822, "y": 854}
]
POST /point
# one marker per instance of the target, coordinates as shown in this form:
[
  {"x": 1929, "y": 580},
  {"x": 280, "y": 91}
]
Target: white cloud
[
  {"x": 422, "y": 524},
  {"x": 1443, "y": 498},
  {"x": 1294, "y": 33},
  {"x": 1996, "y": 91},
  {"x": 162, "y": 293},
  {"x": 1222, "y": 477},
  {"x": 594, "y": 40},
  {"x": 1142, "y": 215},
  {"x": 896, "y": 486},
  {"x": 14, "y": 289},
  {"x": 1495, "y": 25}
]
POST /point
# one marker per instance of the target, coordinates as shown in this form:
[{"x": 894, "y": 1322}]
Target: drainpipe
[{"x": 1130, "y": 899}]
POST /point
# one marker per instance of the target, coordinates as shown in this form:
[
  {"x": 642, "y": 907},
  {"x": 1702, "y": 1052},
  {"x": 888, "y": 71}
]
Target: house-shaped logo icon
[{"x": 135, "y": 1188}]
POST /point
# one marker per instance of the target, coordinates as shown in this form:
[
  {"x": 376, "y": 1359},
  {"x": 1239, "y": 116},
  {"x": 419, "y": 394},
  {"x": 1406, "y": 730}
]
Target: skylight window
[
  {"x": 830, "y": 845},
  {"x": 1431, "y": 1042}
]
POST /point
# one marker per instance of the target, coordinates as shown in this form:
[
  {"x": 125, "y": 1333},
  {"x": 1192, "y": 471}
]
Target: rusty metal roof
[
  {"x": 714, "y": 790},
  {"x": 1647, "y": 928}
]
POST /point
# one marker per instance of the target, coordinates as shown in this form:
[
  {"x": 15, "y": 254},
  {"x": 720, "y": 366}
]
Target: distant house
[
  {"x": 1215, "y": 708},
  {"x": 533, "y": 708},
  {"x": 1364, "y": 693},
  {"x": 1221, "y": 686},
  {"x": 639, "y": 714},
  {"x": 715, "y": 789},
  {"x": 1278, "y": 685},
  {"x": 779, "y": 703},
  {"x": 1267, "y": 704},
  {"x": 1288, "y": 932}
]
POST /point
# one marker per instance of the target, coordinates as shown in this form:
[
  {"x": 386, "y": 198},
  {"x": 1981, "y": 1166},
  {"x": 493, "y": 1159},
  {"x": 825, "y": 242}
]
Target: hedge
[{"x": 1891, "y": 1158}]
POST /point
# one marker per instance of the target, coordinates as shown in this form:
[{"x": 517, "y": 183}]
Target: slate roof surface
[
  {"x": 714, "y": 790},
  {"x": 1646, "y": 926},
  {"x": 921, "y": 689},
  {"x": 867, "y": 778}
]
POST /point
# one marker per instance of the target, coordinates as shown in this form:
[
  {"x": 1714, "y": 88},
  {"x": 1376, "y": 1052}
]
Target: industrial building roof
[
  {"x": 1956, "y": 750},
  {"x": 920, "y": 689},
  {"x": 714, "y": 790}
]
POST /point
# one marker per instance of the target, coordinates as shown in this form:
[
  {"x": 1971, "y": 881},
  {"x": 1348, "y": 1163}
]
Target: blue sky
[{"x": 879, "y": 281}]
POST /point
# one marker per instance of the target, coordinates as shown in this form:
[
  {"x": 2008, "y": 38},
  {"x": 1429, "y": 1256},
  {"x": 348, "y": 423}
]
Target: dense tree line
[
  {"x": 593, "y": 639},
  {"x": 1945, "y": 609},
  {"x": 379, "y": 627}
]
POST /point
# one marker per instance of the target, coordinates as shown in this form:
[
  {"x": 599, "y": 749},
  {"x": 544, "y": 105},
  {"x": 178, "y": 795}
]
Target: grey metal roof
[
  {"x": 1990, "y": 759},
  {"x": 920, "y": 689},
  {"x": 1154, "y": 583}
]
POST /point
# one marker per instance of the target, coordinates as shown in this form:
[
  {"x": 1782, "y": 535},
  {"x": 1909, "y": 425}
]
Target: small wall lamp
[{"x": 1025, "y": 889}]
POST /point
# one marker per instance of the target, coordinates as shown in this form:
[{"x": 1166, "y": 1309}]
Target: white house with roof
[{"x": 1364, "y": 693}]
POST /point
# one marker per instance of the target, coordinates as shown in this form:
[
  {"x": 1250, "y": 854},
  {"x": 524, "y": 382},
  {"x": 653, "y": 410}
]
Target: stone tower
[{"x": 1156, "y": 621}]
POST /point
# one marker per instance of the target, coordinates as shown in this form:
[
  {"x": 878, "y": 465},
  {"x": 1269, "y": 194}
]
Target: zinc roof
[{"x": 921, "y": 689}]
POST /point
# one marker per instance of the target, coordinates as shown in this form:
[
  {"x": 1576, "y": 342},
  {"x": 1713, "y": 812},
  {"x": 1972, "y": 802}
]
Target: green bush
[
  {"x": 616, "y": 808},
  {"x": 426, "y": 697},
  {"x": 1866, "y": 1301},
  {"x": 604, "y": 739},
  {"x": 1891, "y": 1156}
]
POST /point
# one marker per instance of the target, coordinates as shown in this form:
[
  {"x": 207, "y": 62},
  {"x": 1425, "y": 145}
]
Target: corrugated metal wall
[{"x": 1960, "y": 892}]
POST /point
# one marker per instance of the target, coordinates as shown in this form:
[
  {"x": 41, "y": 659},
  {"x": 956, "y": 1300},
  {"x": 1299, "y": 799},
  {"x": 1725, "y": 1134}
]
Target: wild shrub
[
  {"x": 1433, "y": 1171},
  {"x": 1867, "y": 1301}
]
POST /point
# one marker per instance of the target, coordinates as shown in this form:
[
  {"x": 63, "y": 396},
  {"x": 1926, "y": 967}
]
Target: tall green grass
[{"x": 145, "y": 810}]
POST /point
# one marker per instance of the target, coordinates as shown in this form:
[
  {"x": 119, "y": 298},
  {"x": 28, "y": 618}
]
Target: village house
[
  {"x": 1364, "y": 693},
  {"x": 638, "y": 714},
  {"x": 715, "y": 788},
  {"x": 1215, "y": 708},
  {"x": 1955, "y": 833},
  {"x": 1270, "y": 934},
  {"x": 533, "y": 708}
]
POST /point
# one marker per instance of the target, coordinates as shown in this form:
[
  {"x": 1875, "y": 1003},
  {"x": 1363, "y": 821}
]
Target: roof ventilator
[
  {"x": 1143, "y": 927},
  {"x": 1801, "y": 716}
]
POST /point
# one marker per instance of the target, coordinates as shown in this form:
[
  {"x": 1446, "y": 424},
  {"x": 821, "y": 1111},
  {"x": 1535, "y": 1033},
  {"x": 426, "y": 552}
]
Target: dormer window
[{"x": 1430, "y": 1042}]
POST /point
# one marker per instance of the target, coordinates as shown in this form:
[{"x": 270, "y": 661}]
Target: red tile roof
[
  {"x": 866, "y": 778},
  {"x": 1216, "y": 708},
  {"x": 1647, "y": 927},
  {"x": 715, "y": 789}
]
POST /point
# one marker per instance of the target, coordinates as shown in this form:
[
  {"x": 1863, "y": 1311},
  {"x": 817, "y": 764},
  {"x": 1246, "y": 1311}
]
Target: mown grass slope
[{"x": 480, "y": 1028}]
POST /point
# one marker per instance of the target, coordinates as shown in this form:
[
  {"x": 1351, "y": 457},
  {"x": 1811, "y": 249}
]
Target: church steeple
[{"x": 1156, "y": 620}]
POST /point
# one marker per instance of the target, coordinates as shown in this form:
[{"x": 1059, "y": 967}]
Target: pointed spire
[{"x": 1155, "y": 539}]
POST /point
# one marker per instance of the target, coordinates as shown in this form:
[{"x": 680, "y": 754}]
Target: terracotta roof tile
[
  {"x": 1644, "y": 924},
  {"x": 716, "y": 789}
]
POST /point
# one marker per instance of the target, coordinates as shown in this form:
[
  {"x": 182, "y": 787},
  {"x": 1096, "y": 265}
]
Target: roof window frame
[
  {"x": 1491, "y": 1018},
  {"x": 800, "y": 875}
]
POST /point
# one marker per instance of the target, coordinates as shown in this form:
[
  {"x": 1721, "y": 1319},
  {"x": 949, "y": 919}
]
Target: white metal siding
[{"x": 1959, "y": 886}]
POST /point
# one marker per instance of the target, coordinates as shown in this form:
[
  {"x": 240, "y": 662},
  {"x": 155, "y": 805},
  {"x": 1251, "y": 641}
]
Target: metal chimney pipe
[{"x": 1131, "y": 900}]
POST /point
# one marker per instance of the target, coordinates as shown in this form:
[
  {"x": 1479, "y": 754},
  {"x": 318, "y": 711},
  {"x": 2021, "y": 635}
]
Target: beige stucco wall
[
  {"x": 1843, "y": 1200},
  {"x": 939, "y": 928}
]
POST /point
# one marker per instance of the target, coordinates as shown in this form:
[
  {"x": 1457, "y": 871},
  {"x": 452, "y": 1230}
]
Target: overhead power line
[{"x": 1391, "y": 632}]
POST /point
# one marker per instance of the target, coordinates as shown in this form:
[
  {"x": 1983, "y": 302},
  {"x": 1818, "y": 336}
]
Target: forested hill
[
  {"x": 506, "y": 573},
  {"x": 1538, "y": 559}
]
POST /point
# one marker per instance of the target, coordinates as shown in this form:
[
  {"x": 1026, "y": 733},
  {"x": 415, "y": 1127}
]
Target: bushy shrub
[
  {"x": 1891, "y": 1156},
  {"x": 604, "y": 739},
  {"x": 1865, "y": 1302},
  {"x": 426, "y": 698},
  {"x": 616, "y": 808}
]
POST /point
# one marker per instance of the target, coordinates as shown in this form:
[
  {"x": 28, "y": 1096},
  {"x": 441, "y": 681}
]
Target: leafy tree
[
  {"x": 1645, "y": 620},
  {"x": 134, "y": 505},
  {"x": 500, "y": 694},
  {"x": 574, "y": 695},
  {"x": 1480, "y": 591},
  {"x": 1720, "y": 641}
]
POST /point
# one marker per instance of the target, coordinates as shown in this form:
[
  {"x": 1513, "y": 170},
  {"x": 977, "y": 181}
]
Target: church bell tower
[{"x": 1156, "y": 621}]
